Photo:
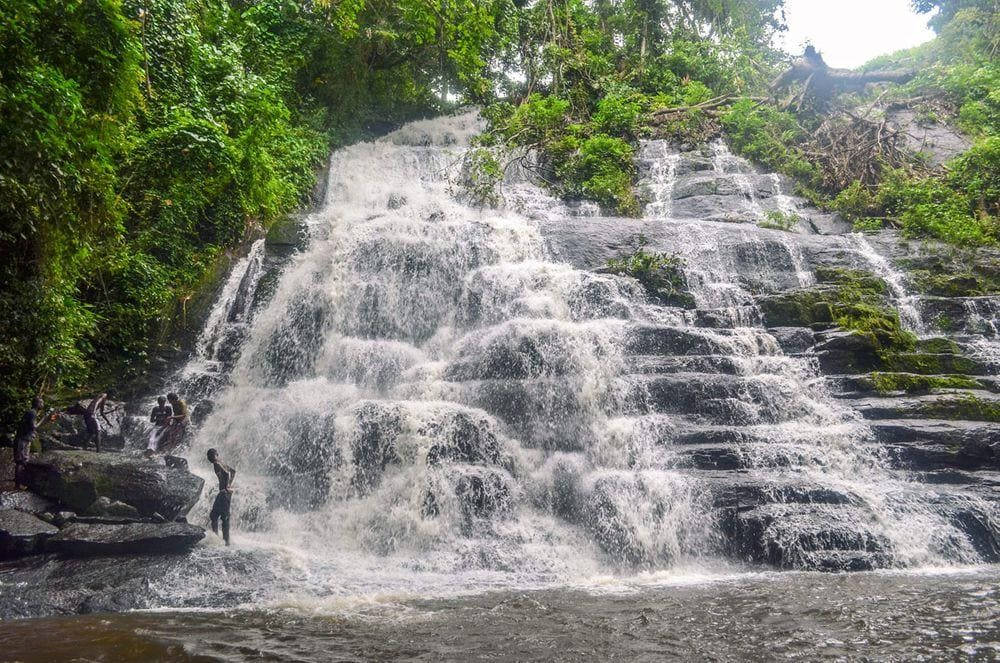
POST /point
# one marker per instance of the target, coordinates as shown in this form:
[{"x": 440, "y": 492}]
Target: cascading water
[
  {"x": 429, "y": 399},
  {"x": 224, "y": 328},
  {"x": 906, "y": 302}
]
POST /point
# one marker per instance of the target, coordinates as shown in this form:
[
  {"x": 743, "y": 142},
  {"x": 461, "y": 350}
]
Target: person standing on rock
[
  {"x": 22, "y": 442},
  {"x": 92, "y": 427},
  {"x": 176, "y": 423},
  {"x": 159, "y": 416},
  {"x": 223, "y": 501}
]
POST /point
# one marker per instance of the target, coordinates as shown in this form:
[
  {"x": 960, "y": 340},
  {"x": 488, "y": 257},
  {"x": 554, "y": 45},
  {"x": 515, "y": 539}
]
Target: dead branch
[{"x": 821, "y": 82}]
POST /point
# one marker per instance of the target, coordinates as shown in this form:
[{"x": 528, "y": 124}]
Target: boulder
[
  {"x": 108, "y": 508},
  {"x": 22, "y": 533},
  {"x": 77, "y": 479},
  {"x": 26, "y": 501},
  {"x": 82, "y": 539}
]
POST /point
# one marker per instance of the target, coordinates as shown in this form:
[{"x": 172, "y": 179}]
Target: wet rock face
[
  {"x": 83, "y": 539},
  {"x": 22, "y": 533},
  {"x": 23, "y": 500},
  {"x": 78, "y": 479}
]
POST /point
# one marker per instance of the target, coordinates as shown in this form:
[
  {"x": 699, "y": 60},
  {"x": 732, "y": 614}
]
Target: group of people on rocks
[
  {"x": 169, "y": 418},
  {"x": 169, "y": 424}
]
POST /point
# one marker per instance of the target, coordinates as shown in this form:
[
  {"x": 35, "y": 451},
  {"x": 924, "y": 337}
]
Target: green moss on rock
[{"x": 911, "y": 383}]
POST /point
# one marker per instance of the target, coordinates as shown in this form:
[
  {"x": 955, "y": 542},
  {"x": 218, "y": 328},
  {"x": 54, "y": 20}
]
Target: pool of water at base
[{"x": 930, "y": 615}]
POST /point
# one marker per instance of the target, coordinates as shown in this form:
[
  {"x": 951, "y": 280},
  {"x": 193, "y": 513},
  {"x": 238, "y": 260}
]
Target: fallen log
[{"x": 823, "y": 82}]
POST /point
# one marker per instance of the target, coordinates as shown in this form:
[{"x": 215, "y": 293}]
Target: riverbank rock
[
  {"x": 79, "y": 479},
  {"x": 22, "y": 533},
  {"x": 82, "y": 539},
  {"x": 22, "y": 500}
]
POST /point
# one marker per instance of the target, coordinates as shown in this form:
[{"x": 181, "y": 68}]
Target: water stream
[
  {"x": 444, "y": 433},
  {"x": 431, "y": 402}
]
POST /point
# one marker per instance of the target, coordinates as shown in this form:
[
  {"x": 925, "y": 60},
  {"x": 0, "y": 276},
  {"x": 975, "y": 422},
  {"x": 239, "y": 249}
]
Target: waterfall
[
  {"x": 430, "y": 398},
  {"x": 725, "y": 162},
  {"x": 906, "y": 303},
  {"x": 662, "y": 176},
  {"x": 232, "y": 305}
]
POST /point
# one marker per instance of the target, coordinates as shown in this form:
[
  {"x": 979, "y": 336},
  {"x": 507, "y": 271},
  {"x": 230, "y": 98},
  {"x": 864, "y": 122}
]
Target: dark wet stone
[
  {"x": 462, "y": 438},
  {"x": 806, "y": 537},
  {"x": 24, "y": 500},
  {"x": 77, "y": 479},
  {"x": 22, "y": 533},
  {"x": 374, "y": 445},
  {"x": 80, "y": 539},
  {"x": 928, "y": 444},
  {"x": 793, "y": 340},
  {"x": 847, "y": 352}
]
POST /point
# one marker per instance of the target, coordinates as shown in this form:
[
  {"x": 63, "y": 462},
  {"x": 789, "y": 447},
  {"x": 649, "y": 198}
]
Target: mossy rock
[
  {"x": 798, "y": 308},
  {"x": 938, "y": 345},
  {"x": 964, "y": 407},
  {"x": 851, "y": 277},
  {"x": 926, "y": 363},
  {"x": 912, "y": 383}
]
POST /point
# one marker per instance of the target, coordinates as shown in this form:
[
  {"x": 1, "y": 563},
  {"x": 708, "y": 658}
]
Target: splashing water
[
  {"x": 429, "y": 401},
  {"x": 906, "y": 302}
]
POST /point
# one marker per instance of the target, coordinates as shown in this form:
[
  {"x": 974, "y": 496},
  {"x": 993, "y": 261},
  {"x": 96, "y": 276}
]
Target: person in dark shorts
[
  {"x": 159, "y": 416},
  {"x": 22, "y": 441},
  {"x": 223, "y": 501},
  {"x": 92, "y": 430}
]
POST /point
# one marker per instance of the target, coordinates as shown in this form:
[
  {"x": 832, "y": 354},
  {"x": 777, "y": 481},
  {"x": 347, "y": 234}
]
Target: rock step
[
  {"x": 22, "y": 533},
  {"x": 726, "y": 318},
  {"x": 807, "y": 536},
  {"x": 81, "y": 540},
  {"x": 972, "y": 404},
  {"x": 708, "y": 364},
  {"x": 940, "y": 444},
  {"x": 985, "y": 483},
  {"x": 723, "y": 399},
  {"x": 670, "y": 430},
  {"x": 860, "y": 386},
  {"x": 745, "y": 489},
  {"x": 840, "y": 352},
  {"x": 670, "y": 340}
]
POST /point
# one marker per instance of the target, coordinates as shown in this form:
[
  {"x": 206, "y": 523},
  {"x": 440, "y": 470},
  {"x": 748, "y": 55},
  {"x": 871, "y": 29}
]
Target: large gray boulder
[
  {"x": 81, "y": 539},
  {"x": 78, "y": 479},
  {"x": 22, "y": 533}
]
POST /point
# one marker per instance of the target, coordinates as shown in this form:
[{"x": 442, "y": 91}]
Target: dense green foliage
[
  {"x": 142, "y": 139},
  {"x": 661, "y": 275},
  {"x": 593, "y": 72},
  {"x": 957, "y": 80}
]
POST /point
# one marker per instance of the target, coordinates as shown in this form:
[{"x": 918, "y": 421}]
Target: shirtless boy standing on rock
[{"x": 223, "y": 501}]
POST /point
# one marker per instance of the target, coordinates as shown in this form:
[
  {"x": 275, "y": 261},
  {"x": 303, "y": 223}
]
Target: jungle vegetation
[{"x": 142, "y": 140}]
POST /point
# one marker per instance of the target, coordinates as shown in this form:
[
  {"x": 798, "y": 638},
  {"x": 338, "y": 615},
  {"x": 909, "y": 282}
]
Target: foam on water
[{"x": 430, "y": 403}]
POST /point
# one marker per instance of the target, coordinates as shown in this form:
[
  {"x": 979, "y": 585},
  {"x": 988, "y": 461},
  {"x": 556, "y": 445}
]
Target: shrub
[
  {"x": 778, "y": 220},
  {"x": 602, "y": 170}
]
